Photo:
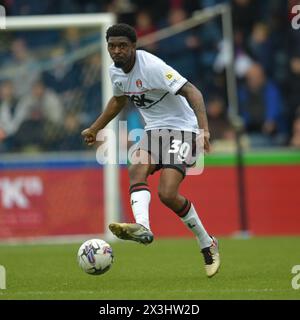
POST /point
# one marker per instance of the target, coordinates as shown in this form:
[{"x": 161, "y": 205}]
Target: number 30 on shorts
[{"x": 182, "y": 148}]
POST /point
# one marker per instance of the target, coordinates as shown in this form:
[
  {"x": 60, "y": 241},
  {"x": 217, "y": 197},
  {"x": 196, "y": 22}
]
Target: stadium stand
[{"x": 62, "y": 91}]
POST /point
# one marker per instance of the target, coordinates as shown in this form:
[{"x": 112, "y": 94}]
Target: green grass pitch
[{"x": 257, "y": 268}]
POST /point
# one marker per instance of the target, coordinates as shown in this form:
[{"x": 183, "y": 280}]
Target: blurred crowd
[{"x": 44, "y": 108}]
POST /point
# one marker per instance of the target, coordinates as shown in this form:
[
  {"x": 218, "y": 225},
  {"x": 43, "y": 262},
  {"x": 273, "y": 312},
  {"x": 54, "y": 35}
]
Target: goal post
[{"x": 103, "y": 21}]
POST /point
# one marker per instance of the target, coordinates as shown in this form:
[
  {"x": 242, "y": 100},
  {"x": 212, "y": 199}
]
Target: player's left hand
[{"x": 89, "y": 136}]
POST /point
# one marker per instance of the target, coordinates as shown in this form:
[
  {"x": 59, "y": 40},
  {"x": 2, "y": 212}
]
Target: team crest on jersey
[{"x": 139, "y": 83}]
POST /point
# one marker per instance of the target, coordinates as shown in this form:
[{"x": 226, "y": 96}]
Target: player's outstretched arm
[
  {"x": 113, "y": 108},
  {"x": 195, "y": 99}
]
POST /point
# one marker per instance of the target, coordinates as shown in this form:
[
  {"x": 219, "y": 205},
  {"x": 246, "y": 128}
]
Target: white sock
[
  {"x": 192, "y": 221},
  {"x": 139, "y": 201}
]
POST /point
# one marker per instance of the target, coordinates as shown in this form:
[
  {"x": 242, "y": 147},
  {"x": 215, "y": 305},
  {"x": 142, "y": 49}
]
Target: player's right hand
[{"x": 89, "y": 136}]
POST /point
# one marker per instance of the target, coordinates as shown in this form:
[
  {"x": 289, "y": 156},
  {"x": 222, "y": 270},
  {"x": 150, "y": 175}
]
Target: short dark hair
[{"x": 121, "y": 30}]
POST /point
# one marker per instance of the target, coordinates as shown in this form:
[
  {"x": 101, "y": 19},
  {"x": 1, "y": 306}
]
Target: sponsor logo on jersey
[
  {"x": 169, "y": 75},
  {"x": 171, "y": 84},
  {"x": 139, "y": 83},
  {"x": 140, "y": 100},
  {"x": 172, "y": 77}
]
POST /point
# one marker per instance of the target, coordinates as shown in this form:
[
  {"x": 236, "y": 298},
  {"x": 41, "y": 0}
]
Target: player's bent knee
[
  {"x": 167, "y": 197},
  {"x": 137, "y": 173}
]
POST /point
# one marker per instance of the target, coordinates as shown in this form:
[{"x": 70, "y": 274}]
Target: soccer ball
[{"x": 95, "y": 256}]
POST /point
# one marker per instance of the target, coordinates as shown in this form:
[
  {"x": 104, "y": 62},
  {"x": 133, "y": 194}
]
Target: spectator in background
[
  {"x": 71, "y": 39},
  {"x": 220, "y": 126},
  {"x": 260, "y": 46},
  {"x": 124, "y": 9},
  {"x": 86, "y": 6},
  {"x": 151, "y": 6},
  {"x": 209, "y": 3},
  {"x": 144, "y": 23},
  {"x": 44, "y": 119},
  {"x": 242, "y": 60},
  {"x": 44, "y": 103},
  {"x": 160, "y": 9},
  {"x": 209, "y": 39},
  {"x": 12, "y": 114},
  {"x": 69, "y": 137},
  {"x": 245, "y": 13},
  {"x": 64, "y": 77},
  {"x": 193, "y": 53},
  {"x": 91, "y": 85},
  {"x": 295, "y": 140},
  {"x": 21, "y": 67},
  {"x": 222, "y": 133},
  {"x": 180, "y": 50},
  {"x": 30, "y": 7},
  {"x": 144, "y": 26},
  {"x": 33, "y": 7},
  {"x": 189, "y": 6},
  {"x": 261, "y": 107},
  {"x": 293, "y": 89}
]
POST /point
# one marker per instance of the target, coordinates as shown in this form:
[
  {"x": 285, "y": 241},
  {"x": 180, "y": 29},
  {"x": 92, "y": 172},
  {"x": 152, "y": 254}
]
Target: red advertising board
[
  {"x": 272, "y": 200},
  {"x": 49, "y": 202},
  {"x": 69, "y": 201}
]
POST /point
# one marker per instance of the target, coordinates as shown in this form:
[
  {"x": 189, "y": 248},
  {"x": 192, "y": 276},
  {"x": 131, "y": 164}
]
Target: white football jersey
[{"x": 152, "y": 86}]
